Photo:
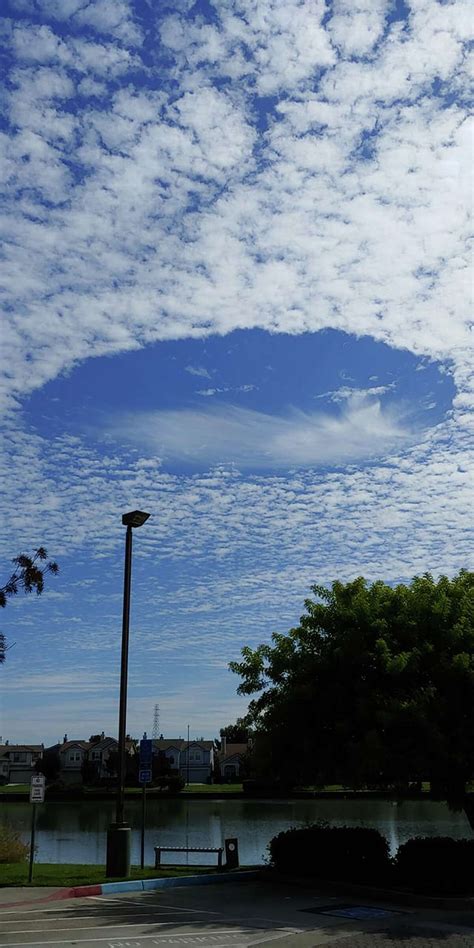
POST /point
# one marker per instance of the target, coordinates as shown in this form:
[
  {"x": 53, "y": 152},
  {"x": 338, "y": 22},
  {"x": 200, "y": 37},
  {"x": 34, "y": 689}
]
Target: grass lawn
[
  {"x": 213, "y": 788},
  {"x": 24, "y": 788},
  {"x": 16, "y": 788},
  {"x": 63, "y": 874}
]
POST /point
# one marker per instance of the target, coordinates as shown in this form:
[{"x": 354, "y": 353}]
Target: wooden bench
[{"x": 186, "y": 849}]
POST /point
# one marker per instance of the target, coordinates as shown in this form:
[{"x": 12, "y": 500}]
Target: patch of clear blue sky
[{"x": 271, "y": 373}]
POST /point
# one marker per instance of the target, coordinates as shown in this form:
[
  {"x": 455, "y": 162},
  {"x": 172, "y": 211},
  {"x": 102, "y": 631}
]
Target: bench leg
[
  {"x": 157, "y": 858},
  {"x": 219, "y": 859}
]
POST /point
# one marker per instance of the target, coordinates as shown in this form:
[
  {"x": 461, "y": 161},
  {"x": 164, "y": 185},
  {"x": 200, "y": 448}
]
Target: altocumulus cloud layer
[
  {"x": 286, "y": 165},
  {"x": 291, "y": 166}
]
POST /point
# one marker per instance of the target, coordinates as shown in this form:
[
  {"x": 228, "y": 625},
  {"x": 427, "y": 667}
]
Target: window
[
  {"x": 19, "y": 758},
  {"x": 96, "y": 755},
  {"x": 171, "y": 759},
  {"x": 74, "y": 756}
]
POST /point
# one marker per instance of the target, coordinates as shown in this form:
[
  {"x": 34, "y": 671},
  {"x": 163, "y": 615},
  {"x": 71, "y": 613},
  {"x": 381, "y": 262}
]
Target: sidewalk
[
  {"x": 26, "y": 895},
  {"x": 11, "y": 896}
]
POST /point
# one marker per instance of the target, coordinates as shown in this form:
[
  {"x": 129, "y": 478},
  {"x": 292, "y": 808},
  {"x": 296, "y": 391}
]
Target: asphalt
[{"x": 237, "y": 914}]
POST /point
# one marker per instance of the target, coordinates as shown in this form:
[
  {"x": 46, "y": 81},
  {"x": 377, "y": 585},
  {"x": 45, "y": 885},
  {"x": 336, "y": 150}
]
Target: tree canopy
[
  {"x": 28, "y": 575},
  {"x": 375, "y": 687},
  {"x": 237, "y": 733}
]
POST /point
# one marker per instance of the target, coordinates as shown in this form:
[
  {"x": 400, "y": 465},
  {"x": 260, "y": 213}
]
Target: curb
[{"x": 140, "y": 885}]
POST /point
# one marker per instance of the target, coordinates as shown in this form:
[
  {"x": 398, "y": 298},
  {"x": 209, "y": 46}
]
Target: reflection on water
[{"x": 76, "y": 832}]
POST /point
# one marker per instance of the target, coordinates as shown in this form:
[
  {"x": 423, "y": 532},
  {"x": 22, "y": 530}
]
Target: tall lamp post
[{"x": 118, "y": 834}]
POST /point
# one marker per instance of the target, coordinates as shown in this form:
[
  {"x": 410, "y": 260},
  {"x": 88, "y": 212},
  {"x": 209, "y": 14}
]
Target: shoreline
[{"x": 110, "y": 795}]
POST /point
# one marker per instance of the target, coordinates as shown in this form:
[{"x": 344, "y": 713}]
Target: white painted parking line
[
  {"x": 120, "y": 942},
  {"x": 72, "y": 918},
  {"x": 87, "y": 928},
  {"x": 179, "y": 908}
]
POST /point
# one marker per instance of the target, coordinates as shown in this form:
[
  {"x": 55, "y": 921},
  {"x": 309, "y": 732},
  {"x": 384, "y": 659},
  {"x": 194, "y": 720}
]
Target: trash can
[{"x": 231, "y": 853}]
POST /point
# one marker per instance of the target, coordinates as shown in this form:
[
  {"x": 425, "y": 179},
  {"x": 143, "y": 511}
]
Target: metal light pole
[
  {"x": 187, "y": 762},
  {"x": 118, "y": 834}
]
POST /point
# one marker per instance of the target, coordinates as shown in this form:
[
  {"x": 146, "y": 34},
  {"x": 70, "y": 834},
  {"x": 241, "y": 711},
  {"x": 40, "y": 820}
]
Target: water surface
[{"x": 75, "y": 832}]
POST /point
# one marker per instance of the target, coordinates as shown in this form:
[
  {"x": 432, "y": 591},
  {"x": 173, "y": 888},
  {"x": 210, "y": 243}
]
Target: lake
[{"x": 76, "y": 832}]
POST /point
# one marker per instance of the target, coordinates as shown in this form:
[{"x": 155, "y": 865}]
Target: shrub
[
  {"x": 61, "y": 788},
  {"x": 265, "y": 787},
  {"x": 174, "y": 783},
  {"x": 12, "y": 848},
  {"x": 436, "y": 864},
  {"x": 348, "y": 853}
]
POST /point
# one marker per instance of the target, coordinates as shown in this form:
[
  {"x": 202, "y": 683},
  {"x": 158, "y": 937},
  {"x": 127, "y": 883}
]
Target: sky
[{"x": 236, "y": 294}]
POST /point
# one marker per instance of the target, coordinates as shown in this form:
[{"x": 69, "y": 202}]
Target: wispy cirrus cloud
[{"x": 255, "y": 440}]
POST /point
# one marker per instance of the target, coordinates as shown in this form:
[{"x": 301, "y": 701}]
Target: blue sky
[{"x": 236, "y": 295}]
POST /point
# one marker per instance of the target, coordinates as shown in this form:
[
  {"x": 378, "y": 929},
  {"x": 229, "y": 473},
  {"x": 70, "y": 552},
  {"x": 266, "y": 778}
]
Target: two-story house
[
  {"x": 17, "y": 762},
  {"x": 73, "y": 754},
  {"x": 194, "y": 761},
  {"x": 230, "y": 759}
]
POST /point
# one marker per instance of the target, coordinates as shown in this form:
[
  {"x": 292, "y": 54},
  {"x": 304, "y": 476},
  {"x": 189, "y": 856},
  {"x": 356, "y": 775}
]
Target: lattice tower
[{"x": 156, "y": 723}]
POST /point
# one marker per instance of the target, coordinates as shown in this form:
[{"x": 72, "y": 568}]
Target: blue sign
[
  {"x": 144, "y": 776},
  {"x": 146, "y": 753}
]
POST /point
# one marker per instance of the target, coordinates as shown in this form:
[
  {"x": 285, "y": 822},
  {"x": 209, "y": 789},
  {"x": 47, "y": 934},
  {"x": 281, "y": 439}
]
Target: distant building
[
  {"x": 73, "y": 754},
  {"x": 230, "y": 759},
  {"x": 17, "y": 762},
  {"x": 201, "y": 758}
]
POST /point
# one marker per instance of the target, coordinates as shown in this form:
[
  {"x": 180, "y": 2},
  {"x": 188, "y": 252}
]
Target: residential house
[
  {"x": 230, "y": 759},
  {"x": 17, "y": 761},
  {"x": 194, "y": 761},
  {"x": 73, "y": 754}
]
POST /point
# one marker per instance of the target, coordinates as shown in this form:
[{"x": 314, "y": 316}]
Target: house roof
[
  {"x": 84, "y": 745},
  {"x": 233, "y": 750},
  {"x": 105, "y": 741},
  {"x": 5, "y": 748},
  {"x": 179, "y": 744},
  {"x": 87, "y": 745}
]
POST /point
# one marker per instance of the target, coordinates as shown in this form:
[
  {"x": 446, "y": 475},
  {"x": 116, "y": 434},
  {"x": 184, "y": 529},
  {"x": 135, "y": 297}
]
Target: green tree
[
  {"x": 238, "y": 733},
  {"x": 49, "y": 765},
  {"x": 28, "y": 575},
  {"x": 375, "y": 687}
]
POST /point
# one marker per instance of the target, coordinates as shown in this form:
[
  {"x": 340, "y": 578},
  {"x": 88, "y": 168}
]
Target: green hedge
[
  {"x": 348, "y": 853},
  {"x": 436, "y": 864}
]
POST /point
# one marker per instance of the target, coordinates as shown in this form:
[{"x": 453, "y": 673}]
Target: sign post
[
  {"x": 37, "y": 790},
  {"x": 144, "y": 777}
]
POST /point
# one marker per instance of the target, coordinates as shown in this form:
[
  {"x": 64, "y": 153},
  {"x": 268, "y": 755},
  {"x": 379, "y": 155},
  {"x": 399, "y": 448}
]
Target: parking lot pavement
[{"x": 231, "y": 916}]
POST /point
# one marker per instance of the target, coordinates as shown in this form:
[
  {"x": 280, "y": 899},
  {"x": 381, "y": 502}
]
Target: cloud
[
  {"x": 152, "y": 205},
  {"x": 345, "y": 393},
  {"x": 252, "y": 439},
  {"x": 287, "y": 166},
  {"x": 198, "y": 370},
  {"x": 208, "y": 392}
]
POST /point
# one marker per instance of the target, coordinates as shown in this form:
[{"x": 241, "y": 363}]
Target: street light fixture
[{"x": 118, "y": 834}]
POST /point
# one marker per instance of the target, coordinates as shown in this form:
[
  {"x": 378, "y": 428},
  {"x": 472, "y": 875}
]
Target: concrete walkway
[{"x": 24, "y": 895}]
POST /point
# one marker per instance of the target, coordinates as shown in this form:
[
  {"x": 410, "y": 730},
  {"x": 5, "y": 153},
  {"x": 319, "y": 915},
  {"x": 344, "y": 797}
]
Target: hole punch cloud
[{"x": 256, "y": 440}]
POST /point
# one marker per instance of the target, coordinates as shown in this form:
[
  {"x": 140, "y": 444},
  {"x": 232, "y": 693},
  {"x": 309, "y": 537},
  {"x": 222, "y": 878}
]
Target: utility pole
[{"x": 187, "y": 762}]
